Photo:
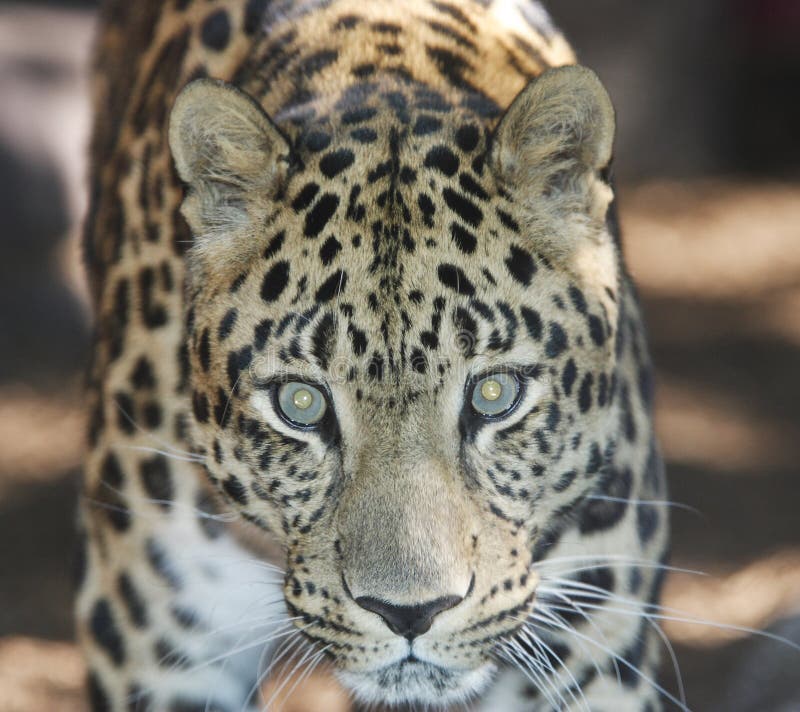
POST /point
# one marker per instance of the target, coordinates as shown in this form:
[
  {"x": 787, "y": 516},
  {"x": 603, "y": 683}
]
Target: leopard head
[{"x": 401, "y": 327}]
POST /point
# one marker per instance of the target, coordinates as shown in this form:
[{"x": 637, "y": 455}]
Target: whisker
[
  {"x": 241, "y": 649},
  {"x": 691, "y": 620},
  {"x": 552, "y": 614},
  {"x": 646, "y": 502},
  {"x": 531, "y": 669},
  {"x": 592, "y": 561},
  {"x": 626, "y": 663},
  {"x": 288, "y": 677},
  {"x": 149, "y": 433},
  {"x": 314, "y": 662},
  {"x": 537, "y": 640},
  {"x": 199, "y": 459}
]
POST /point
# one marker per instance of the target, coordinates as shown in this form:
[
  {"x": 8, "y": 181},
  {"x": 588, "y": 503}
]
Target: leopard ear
[
  {"x": 229, "y": 153},
  {"x": 554, "y": 140}
]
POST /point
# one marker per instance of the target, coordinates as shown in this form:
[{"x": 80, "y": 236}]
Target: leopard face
[{"x": 402, "y": 327}]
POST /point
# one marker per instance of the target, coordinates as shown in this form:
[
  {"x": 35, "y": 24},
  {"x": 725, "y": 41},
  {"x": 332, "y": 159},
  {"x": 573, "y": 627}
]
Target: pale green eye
[
  {"x": 495, "y": 394},
  {"x": 301, "y": 403}
]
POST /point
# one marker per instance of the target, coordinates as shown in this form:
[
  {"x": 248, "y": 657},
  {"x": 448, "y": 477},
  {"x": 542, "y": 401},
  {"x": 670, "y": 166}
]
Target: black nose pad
[{"x": 409, "y": 621}]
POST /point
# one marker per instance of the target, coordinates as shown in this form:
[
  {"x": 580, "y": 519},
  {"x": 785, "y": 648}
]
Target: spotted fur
[{"x": 386, "y": 200}]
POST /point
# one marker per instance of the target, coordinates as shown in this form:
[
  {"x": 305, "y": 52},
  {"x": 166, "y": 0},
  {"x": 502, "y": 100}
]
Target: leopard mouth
[{"x": 414, "y": 681}]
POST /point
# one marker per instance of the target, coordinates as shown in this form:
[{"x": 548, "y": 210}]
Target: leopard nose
[{"x": 409, "y": 621}]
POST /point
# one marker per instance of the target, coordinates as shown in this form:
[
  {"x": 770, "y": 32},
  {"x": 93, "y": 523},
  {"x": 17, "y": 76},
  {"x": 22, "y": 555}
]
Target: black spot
[
  {"x": 429, "y": 340},
  {"x": 168, "y": 656},
  {"x": 105, "y": 632},
  {"x": 467, "y": 137},
  {"x": 602, "y": 514},
  {"x": 596, "y": 330},
  {"x": 364, "y": 70},
  {"x": 451, "y": 66},
  {"x": 556, "y": 341},
  {"x": 454, "y": 278},
  {"x": 142, "y": 376},
  {"x": 418, "y": 361},
  {"x": 599, "y": 581},
  {"x": 468, "y": 183},
  {"x": 335, "y": 162},
  {"x": 317, "y": 61},
  {"x": 521, "y": 265},
  {"x": 375, "y": 367},
  {"x": 602, "y": 389},
  {"x": 585, "y": 393},
  {"x": 186, "y": 618},
  {"x": 427, "y": 207},
  {"x": 464, "y": 239},
  {"x": 443, "y": 159},
  {"x": 216, "y": 30},
  {"x": 330, "y": 248},
  {"x": 626, "y": 413},
  {"x": 98, "y": 697},
  {"x": 577, "y": 299},
  {"x": 533, "y": 322},
  {"x": 204, "y": 350},
  {"x": 595, "y": 461},
  {"x": 153, "y": 315},
  {"x": 356, "y": 116},
  {"x": 238, "y": 361},
  {"x": 275, "y": 281},
  {"x": 206, "y": 515},
  {"x": 235, "y": 489},
  {"x": 157, "y": 558},
  {"x": 646, "y": 521},
  {"x": 318, "y": 216},
  {"x": 335, "y": 284},
  {"x": 275, "y": 245},
  {"x": 323, "y": 340},
  {"x": 359, "y": 340},
  {"x": 568, "y": 376},
  {"x": 553, "y": 416},
  {"x": 507, "y": 220},
  {"x": 630, "y": 660},
  {"x": 426, "y": 124},
  {"x": 200, "y": 407},
  {"x": 463, "y": 207},
  {"x": 565, "y": 480},
  {"x": 317, "y": 141},
  {"x": 253, "y": 12},
  {"x": 227, "y": 323},
  {"x": 466, "y": 331},
  {"x": 364, "y": 134},
  {"x": 222, "y": 411},
  {"x": 261, "y": 333},
  {"x": 157, "y": 480},
  {"x": 111, "y": 480},
  {"x": 137, "y": 611}
]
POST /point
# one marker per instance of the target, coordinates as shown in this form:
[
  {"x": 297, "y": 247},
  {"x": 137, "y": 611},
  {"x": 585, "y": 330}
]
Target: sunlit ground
[{"x": 718, "y": 266}]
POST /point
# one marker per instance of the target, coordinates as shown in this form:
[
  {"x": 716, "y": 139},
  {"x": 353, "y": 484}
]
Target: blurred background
[{"x": 708, "y": 165}]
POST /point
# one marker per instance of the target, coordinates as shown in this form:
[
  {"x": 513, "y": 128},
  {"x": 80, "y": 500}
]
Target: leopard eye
[
  {"x": 302, "y": 404},
  {"x": 495, "y": 394}
]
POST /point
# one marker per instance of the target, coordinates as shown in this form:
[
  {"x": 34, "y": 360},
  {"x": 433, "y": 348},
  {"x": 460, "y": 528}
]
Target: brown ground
[{"x": 718, "y": 264}]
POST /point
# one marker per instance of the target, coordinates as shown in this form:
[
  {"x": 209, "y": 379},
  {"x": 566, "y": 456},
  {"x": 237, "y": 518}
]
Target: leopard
[{"x": 370, "y": 388}]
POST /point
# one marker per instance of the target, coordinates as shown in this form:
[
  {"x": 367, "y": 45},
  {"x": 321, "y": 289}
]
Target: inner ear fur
[
  {"x": 555, "y": 138},
  {"x": 229, "y": 153},
  {"x": 549, "y": 152}
]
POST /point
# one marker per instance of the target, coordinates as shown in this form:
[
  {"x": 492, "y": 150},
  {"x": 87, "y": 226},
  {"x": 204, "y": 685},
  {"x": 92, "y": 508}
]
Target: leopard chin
[{"x": 412, "y": 681}]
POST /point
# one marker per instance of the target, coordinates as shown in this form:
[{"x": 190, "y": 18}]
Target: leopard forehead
[{"x": 393, "y": 230}]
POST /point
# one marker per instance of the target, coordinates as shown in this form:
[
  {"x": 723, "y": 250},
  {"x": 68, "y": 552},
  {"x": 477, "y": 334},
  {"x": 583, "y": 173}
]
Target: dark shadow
[
  {"x": 43, "y": 330},
  {"x": 37, "y": 545}
]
